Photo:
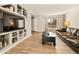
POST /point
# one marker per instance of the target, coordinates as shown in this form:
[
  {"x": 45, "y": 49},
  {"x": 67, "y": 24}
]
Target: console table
[{"x": 48, "y": 37}]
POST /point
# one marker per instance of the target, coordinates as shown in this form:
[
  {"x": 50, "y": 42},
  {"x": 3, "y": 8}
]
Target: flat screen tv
[{"x": 13, "y": 23}]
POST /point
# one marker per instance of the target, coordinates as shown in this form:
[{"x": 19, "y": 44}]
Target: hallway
[{"x": 33, "y": 45}]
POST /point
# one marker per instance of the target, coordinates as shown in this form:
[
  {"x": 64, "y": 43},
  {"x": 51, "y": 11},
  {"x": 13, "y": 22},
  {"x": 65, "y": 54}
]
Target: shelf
[
  {"x": 4, "y": 40},
  {"x": 14, "y": 36},
  {"x": 4, "y": 33},
  {"x": 6, "y": 11},
  {"x": 21, "y": 10},
  {"x": 25, "y": 32},
  {"x": 14, "y": 40},
  {"x": 9, "y": 6}
]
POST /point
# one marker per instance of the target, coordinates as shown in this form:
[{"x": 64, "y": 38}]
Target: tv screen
[{"x": 13, "y": 23}]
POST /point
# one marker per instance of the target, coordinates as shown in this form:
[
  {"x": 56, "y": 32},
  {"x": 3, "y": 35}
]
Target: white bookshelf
[{"x": 13, "y": 37}]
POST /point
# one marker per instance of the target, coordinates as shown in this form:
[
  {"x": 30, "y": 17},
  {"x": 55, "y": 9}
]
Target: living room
[{"x": 24, "y": 34}]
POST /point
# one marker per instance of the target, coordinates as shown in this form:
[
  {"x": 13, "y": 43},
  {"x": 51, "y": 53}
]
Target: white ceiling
[{"x": 44, "y": 9}]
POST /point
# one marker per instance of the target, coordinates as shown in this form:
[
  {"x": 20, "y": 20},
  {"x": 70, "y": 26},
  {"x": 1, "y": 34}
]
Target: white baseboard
[{"x": 13, "y": 45}]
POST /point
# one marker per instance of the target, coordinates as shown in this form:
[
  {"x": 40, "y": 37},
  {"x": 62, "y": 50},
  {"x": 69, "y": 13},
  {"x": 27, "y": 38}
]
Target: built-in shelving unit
[
  {"x": 4, "y": 40},
  {"x": 21, "y": 10},
  {"x": 25, "y": 32},
  {"x": 9, "y": 6},
  {"x": 9, "y": 38},
  {"x": 14, "y": 37},
  {"x": 20, "y": 34}
]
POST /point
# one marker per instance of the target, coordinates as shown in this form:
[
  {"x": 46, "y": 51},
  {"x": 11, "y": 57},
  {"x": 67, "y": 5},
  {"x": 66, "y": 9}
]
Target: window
[{"x": 52, "y": 23}]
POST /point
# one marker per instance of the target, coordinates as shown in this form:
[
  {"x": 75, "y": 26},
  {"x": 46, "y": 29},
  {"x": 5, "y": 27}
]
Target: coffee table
[{"x": 48, "y": 37}]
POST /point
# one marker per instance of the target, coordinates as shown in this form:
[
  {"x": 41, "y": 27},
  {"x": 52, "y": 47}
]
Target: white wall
[
  {"x": 39, "y": 24},
  {"x": 73, "y": 16}
]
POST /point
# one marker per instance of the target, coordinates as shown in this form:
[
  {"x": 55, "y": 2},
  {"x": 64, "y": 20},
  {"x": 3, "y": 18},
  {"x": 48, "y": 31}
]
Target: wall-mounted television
[{"x": 13, "y": 23}]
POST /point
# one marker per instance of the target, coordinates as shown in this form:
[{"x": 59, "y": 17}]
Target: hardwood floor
[{"x": 33, "y": 45}]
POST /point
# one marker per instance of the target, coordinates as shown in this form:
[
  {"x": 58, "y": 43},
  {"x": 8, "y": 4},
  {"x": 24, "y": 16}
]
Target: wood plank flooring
[{"x": 33, "y": 45}]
